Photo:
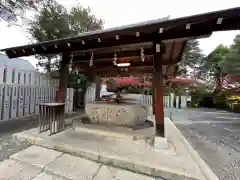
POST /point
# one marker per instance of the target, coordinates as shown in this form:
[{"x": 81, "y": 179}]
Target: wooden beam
[
  {"x": 109, "y": 61},
  {"x": 135, "y": 62},
  {"x": 77, "y": 45},
  {"x": 136, "y": 70},
  {"x": 112, "y": 49},
  {"x": 117, "y": 71},
  {"x": 172, "y": 56},
  {"x": 110, "y": 55},
  {"x": 98, "y": 87}
]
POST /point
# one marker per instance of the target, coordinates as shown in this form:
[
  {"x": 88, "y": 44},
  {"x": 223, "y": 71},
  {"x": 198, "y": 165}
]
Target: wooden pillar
[
  {"x": 64, "y": 74},
  {"x": 98, "y": 87},
  {"x": 158, "y": 77},
  {"x": 153, "y": 94}
]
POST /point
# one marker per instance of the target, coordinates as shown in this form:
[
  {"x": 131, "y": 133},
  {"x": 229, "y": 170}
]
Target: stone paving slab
[
  {"x": 46, "y": 176},
  {"x": 12, "y": 170},
  {"x": 111, "y": 173},
  {"x": 36, "y": 156},
  {"x": 129, "y": 155},
  {"x": 73, "y": 167},
  {"x": 121, "y": 153}
]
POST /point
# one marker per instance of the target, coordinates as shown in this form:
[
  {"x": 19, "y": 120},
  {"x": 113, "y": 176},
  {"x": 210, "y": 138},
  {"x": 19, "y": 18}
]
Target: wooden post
[
  {"x": 153, "y": 94},
  {"x": 158, "y": 77},
  {"x": 64, "y": 74},
  {"x": 98, "y": 88}
]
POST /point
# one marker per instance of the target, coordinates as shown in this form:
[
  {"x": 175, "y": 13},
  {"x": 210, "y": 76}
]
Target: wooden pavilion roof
[
  {"x": 126, "y": 42},
  {"x": 103, "y": 59}
]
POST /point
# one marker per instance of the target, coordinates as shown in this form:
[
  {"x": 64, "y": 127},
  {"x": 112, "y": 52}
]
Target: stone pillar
[
  {"x": 183, "y": 101},
  {"x": 64, "y": 74},
  {"x": 158, "y": 76},
  {"x": 171, "y": 100},
  {"x": 177, "y": 102},
  {"x": 97, "y": 88},
  {"x": 165, "y": 101},
  {"x": 168, "y": 101}
]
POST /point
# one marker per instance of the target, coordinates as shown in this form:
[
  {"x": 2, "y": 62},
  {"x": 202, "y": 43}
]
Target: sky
[{"x": 123, "y": 12}]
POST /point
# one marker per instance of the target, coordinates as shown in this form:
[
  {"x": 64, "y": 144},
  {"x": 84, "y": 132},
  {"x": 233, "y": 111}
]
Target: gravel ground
[
  {"x": 221, "y": 152},
  {"x": 9, "y": 146},
  {"x": 216, "y": 137}
]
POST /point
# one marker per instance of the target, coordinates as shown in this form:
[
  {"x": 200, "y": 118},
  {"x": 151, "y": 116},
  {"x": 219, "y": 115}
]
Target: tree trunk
[
  {"x": 218, "y": 84},
  {"x": 48, "y": 64}
]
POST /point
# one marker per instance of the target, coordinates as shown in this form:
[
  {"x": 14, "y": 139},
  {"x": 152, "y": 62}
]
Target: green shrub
[{"x": 220, "y": 102}]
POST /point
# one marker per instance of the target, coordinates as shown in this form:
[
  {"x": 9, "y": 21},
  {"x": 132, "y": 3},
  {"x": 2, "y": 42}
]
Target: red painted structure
[{"x": 126, "y": 81}]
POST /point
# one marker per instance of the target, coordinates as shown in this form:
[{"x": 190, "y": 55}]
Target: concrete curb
[{"x": 205, "y": 169}]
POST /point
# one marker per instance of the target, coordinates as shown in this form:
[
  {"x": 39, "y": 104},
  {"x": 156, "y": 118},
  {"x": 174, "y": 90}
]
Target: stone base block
[
  {"x": 160, "y": 143},
  {"x": 116, "y": 132}
]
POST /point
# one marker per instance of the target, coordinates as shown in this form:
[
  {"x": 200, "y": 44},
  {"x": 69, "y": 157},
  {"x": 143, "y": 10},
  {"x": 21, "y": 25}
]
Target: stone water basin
[{"x": 120, "y": 114}]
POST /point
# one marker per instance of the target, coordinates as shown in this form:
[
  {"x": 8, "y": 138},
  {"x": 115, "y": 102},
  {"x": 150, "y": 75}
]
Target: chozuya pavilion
[{"x": 152, "y": 47}]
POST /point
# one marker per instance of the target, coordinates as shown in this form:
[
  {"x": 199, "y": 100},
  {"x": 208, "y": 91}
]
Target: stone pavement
[
  {"x": 37, "y": 163},
  {"x": 178, "y": 161}
]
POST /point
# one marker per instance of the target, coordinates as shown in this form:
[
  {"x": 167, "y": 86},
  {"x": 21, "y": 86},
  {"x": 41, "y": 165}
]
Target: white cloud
[{"x": 117, "y": 13}]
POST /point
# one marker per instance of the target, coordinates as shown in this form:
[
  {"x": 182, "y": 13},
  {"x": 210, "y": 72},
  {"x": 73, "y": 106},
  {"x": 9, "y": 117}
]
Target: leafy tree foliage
[
  {"x": 54, "y": 22},
  {"x": 212, "y": 67},
  {"x": 192, "y": 58},
  {"x": 222, "y": 66},
  {"x": 231, "y": 63},
  {"x": 221, "y": 73},
  {"x": 49, "y": 24},
  {"x": 82, "y": 20},
  {"x": 11, "y": 10},
  {"x": 80, "y": 81}
]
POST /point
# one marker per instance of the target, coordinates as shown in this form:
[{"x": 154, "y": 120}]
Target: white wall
[{"x": 19, "y": 98}]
